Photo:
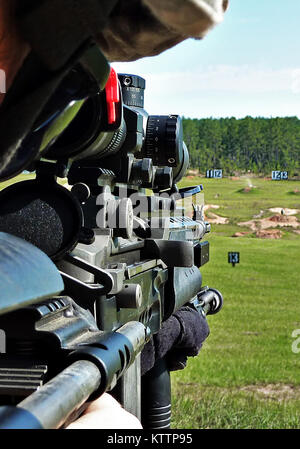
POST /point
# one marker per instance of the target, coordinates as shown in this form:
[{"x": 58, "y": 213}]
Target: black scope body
[{"x": 156, "y": 141}]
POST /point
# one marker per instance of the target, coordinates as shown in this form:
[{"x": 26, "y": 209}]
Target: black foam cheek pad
[{"x": 48, "y": 216}]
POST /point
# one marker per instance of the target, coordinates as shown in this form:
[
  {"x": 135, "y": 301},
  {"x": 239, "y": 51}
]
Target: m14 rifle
[{"x": 92, "y": 269}]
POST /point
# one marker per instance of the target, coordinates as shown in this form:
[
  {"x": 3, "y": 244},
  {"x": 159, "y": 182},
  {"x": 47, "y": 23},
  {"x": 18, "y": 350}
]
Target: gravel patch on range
[
  {"x": 284, "y": 211},
  {"x": 275, "y": 221},
  {"x": 214, "y": 218},
  {"x": 269, "y": 234}
]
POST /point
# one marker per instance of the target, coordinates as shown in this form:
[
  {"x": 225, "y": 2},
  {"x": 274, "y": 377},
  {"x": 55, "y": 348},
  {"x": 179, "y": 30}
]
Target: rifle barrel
[{"x": 64, "y": 394}]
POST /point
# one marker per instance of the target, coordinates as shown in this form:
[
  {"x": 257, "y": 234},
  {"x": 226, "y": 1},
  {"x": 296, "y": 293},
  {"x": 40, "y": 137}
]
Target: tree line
[{"x": 259, "y": 145}]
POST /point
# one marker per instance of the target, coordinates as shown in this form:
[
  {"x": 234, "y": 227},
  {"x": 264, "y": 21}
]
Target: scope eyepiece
[{"x": 45, "y": 124}]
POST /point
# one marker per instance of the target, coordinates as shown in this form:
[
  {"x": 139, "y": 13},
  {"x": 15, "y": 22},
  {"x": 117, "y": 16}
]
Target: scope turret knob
[
  {"x": 164, "y": 139},
  {"x": 142, "y": 172},
  {"x": 133, "y": 88}
]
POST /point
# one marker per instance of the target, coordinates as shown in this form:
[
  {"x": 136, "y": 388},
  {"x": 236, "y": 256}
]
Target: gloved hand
[{"x": 180, "y": 337}]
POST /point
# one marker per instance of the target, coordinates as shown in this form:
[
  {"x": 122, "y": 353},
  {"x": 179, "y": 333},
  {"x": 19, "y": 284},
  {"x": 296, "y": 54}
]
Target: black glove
[{"x": 181, "y": 336}]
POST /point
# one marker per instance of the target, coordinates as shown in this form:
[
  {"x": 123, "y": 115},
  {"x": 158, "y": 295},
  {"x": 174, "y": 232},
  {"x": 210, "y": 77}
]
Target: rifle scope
[
  {"x": 95, "y": 114},
  {"x": 91, "y": 135}
]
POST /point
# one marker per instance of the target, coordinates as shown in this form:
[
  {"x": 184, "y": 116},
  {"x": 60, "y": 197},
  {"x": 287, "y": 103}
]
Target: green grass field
[{"x": 246, "y": 375}]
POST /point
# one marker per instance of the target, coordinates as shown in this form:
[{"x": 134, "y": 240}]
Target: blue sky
[{"x": 248, "y": 65}]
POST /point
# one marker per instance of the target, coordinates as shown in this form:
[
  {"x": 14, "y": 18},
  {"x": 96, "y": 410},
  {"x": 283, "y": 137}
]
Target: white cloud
[
  {"x": 239, "y": 85},
  {"x": 241, "y": 79}
]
